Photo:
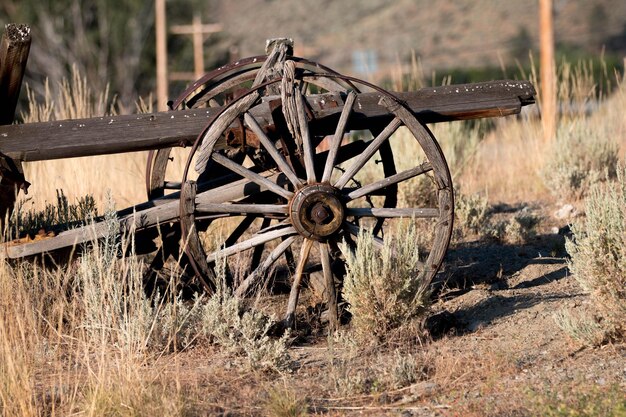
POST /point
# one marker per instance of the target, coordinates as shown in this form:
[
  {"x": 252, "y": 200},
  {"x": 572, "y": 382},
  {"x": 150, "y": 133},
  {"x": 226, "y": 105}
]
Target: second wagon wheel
[
  {"x": 310, "y": 197},
  {"x": 218, "y": 88}
]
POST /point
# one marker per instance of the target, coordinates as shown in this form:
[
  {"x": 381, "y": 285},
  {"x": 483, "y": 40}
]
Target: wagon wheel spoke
[
  {"x": 331, "y": 295},
  {"x": 239, "y": 231},
  {"x": 355, "y": 230},
  {"x": 305, "y": 137},
  {"x": 293, "y": 182},
  {"x": 390, "y": 193},
  {"x": 250, "y": 175},
  {"x": 368, "y": 153},
  {"x": 389, "y": 213},
  {"x": 258, "y": 239},
  {"x": 258, "y": 251},
  {"x": 338, "y": 137},
  {"x": 290, "y": 315},
  {"x": 394, "y": 179},
  {"x": 271, "y": 149},
  {"x": 257, "y": 274}
]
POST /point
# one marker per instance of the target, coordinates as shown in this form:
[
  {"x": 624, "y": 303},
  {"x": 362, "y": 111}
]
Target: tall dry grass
[
  {"x": 512, "y": 157},
  {"x": 121, "y": 175},
  {"x": 86, "y": 339},
  {"x": 77, "y": 339}
]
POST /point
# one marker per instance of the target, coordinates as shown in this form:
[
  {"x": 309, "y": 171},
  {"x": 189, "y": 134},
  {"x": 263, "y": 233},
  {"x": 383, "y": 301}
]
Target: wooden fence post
[
  {"x": 548, "y": 70},
  {"x": 14, "y": 49}
]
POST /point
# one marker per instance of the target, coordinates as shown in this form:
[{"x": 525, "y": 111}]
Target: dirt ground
[{"x": 494, "y": 348}]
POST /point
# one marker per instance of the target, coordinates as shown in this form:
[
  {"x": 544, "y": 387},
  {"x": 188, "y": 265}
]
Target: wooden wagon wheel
[
  {"x": 312, "y": 194},
  {"x": 218, "y": 88}
]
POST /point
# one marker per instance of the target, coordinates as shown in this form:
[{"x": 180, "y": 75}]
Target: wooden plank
[
  {"x": 14, "y": 49},
  {"x": 129, "y": 133},
  {"x": 137, "y": 221}
]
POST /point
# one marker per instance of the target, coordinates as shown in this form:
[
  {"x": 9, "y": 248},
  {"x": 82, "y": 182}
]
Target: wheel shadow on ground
[
  {"x": 469, "y": 264},
  {"x": 495, "y": 268}
]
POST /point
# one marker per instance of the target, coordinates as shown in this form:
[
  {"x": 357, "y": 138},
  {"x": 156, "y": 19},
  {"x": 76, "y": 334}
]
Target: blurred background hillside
[{"x": 113, "y": 41}]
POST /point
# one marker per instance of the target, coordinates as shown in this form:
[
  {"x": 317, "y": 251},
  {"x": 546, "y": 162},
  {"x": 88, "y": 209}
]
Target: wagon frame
[{"x": 283, "y": 153}]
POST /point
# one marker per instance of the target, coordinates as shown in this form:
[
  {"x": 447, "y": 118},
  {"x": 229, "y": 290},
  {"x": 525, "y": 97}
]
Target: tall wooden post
[
  {"x": 548, "y": 69},
  {"x": 198, "y": 50},
  {"x": 161, "y": 55},
  {"x": 14, "y": 49}
]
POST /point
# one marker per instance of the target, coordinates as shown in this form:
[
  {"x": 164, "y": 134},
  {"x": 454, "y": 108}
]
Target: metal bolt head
[{"x": 319, "y": 213}]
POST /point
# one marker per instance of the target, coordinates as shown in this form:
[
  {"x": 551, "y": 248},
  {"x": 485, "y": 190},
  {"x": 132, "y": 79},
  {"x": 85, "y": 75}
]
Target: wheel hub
[{"x": 316, "y": 211}]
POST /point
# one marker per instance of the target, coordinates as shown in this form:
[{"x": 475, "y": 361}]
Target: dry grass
[
  {"x": 285, "y": 402},
  {"x": 74, "y": 99},
  {"x": 85, "y": 338},
  {"x": 121, "y": 175},
  {"x": 581, "y": 156}
]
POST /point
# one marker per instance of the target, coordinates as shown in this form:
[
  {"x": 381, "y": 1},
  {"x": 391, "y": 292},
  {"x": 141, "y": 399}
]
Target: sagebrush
[
  {"x": 385, "y": 287},
  {"x": 598, "y": 251},
  {"x": 580, "y": 157}
]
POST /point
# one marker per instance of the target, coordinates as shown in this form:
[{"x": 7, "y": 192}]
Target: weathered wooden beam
[
  {"x": 129, "y": 133},
  {"x": 14, "y": 49}
]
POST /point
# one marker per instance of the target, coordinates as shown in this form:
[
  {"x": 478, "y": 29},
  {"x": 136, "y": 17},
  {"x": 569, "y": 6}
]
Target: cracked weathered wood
[
  {"x": 14, "y": 49},
  {"x": 190, "y": 241},
  {"x": 129, "y": 133}
]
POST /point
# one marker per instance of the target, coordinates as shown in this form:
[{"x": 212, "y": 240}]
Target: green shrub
[
  {"x": 580, "y": 401},
  {"x": 582, "y": 327},
  {"x": 61, "y": 215},
  {"x": 227, "y": 324},
  {"x": 598, "y": 251},
  {"x": 580, "y": 157},
  {"x": 385, "y": 287},
  {"x": 115, "y": 308},
  {"x": 474, "y": 217},
  {"x": 472, "y": 213},
  {"x": 521, "y": 228}
]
